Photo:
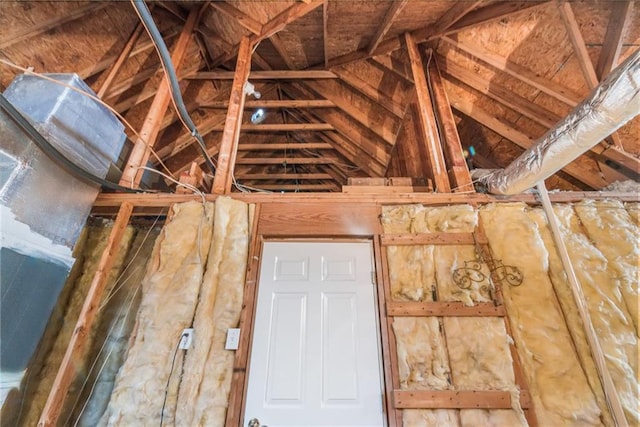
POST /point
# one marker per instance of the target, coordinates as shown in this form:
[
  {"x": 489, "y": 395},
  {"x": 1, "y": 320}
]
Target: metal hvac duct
[{"x": 609, "y": 106}]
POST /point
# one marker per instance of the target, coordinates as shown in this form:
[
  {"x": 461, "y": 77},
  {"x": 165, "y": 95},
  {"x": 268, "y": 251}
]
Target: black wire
[
  {"x": 174, "y": 86},
  {"x": 55, "y": 155},
  {"x": 166, "y": 389}
]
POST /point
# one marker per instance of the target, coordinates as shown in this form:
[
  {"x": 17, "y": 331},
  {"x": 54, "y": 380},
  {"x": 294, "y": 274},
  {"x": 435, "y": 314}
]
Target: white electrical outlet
[
  {"x": 186, "y": 339},
  {"x": 233, "y": 339}
]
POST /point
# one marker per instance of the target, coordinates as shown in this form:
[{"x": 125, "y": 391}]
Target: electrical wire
[
  {"x": 181, "y": 184},
  {"x": 29, "y": 71},
  {"x": 172, "y": 79},
  {"x": 55, "y": 155},
  {"x": 166, "y": 389}
]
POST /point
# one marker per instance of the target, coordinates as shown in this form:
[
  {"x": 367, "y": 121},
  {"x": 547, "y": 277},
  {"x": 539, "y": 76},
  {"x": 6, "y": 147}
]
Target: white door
[{"x": 315, "y": 359}]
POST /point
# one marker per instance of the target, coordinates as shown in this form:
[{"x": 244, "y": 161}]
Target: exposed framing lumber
[
  {"x": 444, "y": 308},
  {"x": 426, "y": 120},
  {"x": 42, "y": 27},
  {"x": 266, "y": 75},
  {"x": 325, "y": 32},
  {"x": 298, "y": 187},
  {"x": 132, "y": 174},
  {"x": 286, "y": 160},
  {"x": 124, "y": 55},
  {"x": 371, "y": 92},
  {"x": 457, "y": 167},
  {"x": 231, "y": 134},
  {"x": 298, "y": 10},
  {"x": 389, "y": 63},
  {"x": 517, "y": 71},
  {"x": 388, "y": 20},
  {"x": 287, "y": 127},
  {"x": 274, "y": 176},
  {"x": 282, "y": 51},
  {"x": 278, "y": 103},
  {"x": 86, "y": 318},
  {"x": 481, "y": 16},
  {"x": 458, "y": 11},
  {"x": 427, "y": 239},
  {"x": 619, "y": 20},
  {"x": 446, "y": 399},
  {"x": 272, "y": 146},
  {"x": 524, "y": 141},
  {"x": 580, "y": 49},
  {"x": 241, "y": 18}
]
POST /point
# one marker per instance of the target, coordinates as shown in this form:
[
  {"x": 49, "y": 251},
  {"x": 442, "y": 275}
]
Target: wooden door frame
[{"x": 240, "y": 379}]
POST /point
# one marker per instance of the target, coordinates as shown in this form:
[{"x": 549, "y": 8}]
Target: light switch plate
[{"x": 233, "y": 339}]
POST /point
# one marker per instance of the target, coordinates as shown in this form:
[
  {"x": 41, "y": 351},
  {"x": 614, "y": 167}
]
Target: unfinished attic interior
[{"x": 319, "y": 213}]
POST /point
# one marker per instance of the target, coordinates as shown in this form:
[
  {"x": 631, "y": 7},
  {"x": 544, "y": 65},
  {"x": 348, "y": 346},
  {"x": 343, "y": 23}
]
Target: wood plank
[
  {"x": 282, "y": 219},
  {"x": 231, "y": 133},
  {"x": 524, "y": 141},
  {"x": 382, "y": 189},
  {"x": 371, "y": 92},
  {"x": 325, "y": 32},
  {"x": 132, "y": 174},
  {"x": 457, "y": 168},
  {"x": 286, "y": 146},
  {"x": 279, "y": 47},
  {"x": 426, "y": 120},
  {"x": 277, "y": 103},
  {"x": 122, "y": 57},
  {"x": 240, "y": 362},
  {"x": 392, "y": 14},
  {"x": 389, "y": 63},
  {"x": 619, "y": 21},
  {"x": 446, "y": 399},
  {"x": 389, "y": 352},
  {"x": 287, "y": 127},
  {"x": 427, "y": 239},
  {"x": 186, "y": 139},
  {"x": 77, "y": 344},
  {"x": 492, "y": 12},
  {"x": 298, "y": 10},
  {"x": 273, "y": 176},
  {"x": 266, "y": 75},
  {"x": 444, "y": 308},
  {"x": 32, "y": 31},
  {"x": 519, "y": 72},
  {"x": 321, "y": 160},
  {"x": 454, "y": 14},
  {"x": 241, "y": 18},
  {"x": 296, "y": 187}
]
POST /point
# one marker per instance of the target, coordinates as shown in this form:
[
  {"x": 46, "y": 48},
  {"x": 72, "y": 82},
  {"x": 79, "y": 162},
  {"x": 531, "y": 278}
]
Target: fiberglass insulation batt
[
  {"x": 196, "y": 279},
  {"x": 450, "y": 353}
]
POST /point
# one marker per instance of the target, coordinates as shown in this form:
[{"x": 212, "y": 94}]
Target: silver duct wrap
[{"x": 609, "y": 106}]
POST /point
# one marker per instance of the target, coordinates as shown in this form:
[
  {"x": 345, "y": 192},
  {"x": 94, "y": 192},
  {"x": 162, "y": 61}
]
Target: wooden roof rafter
[{"x": 619, "y": 22}]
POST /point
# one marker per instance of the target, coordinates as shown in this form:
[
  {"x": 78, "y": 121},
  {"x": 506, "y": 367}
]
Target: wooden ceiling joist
[
  {"x": 507, "y": 131},
  {"x": 619, "y": 21},
  {"x": 426, "y": 122},
  {"x": 266, "y": 75},
  {"x": 298, "y": 187},
  {"x": 274, "y": 146},
  {"x": 132, "y": 174},
  {"x": 283, "y": 176},
  {"x": 325, "y": 32},
  {"x": 277, "y": 103},
  {"x": 320, "y": 160},
  {"x": 50, "y": 24}
]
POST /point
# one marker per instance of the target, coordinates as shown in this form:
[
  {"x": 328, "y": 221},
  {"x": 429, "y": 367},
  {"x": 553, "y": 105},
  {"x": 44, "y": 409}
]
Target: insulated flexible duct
[
  {"x": 609, "y": 106},
  {"x": 165, "y": 58}
]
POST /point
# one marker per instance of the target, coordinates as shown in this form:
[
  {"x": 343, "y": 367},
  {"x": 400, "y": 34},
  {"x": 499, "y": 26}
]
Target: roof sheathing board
[
  {"x": 303, "y": 40},
  {"x": 417, "y": 14}
]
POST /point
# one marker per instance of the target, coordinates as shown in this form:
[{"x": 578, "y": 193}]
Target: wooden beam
[
  {"x": 241, "y": 18},
  {"x": 278, "y": 103},
  {"x": 580, "y": 49},
  {"x": 325, "y": 32},
  {"x": 296, "y": 187},
  {"x": 426, "y": 120},
  {"x": 392, "y": 14},
  {"x": 389, "y": 63},
  {"x": 490, "y": 13},
  {"x": 287, "y": 127},
  {"x": 282, "y": 51},
  {"x": 285, "y": 146},
  {"x": 34, "y": 30},
  {"x": 456, "y": 164},
  {"x": 274, "y": 176},
  {"x": 298, "y": 10},
  {"x": 446, "y": 399},
  {"x": 77, "y": 344},
  {"x": 231, "y": 134},
  {"x": 619, "y": 20},
  {"x": 132, "y": 174},
  {"x": 266, "y": 75},
  {"x": 524, "y": 141},
  {"x": 124, "y": 55},
  {"x": 371, "y": 92},
  {"x": 444, "y": 308},
  {"x": 320, "y": 160},
  {"x": 517, "y": 71},
  {"x": 455, "y": 13},
  {"x": 427, "y": 239}
]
